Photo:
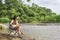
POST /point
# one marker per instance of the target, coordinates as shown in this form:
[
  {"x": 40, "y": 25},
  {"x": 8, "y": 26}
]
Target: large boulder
[{"x": 2, "y": 28}]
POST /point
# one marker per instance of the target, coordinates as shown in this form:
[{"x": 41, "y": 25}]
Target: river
[{"x": 42, "y": 32}]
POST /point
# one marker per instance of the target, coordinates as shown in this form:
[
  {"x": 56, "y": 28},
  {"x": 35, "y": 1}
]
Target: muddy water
[{"x": 42, "y": 32}]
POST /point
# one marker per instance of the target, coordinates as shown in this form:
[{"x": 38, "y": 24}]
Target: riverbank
[
  {"x": 42, "y": 24},
  {"x": 4, "y": 34}
]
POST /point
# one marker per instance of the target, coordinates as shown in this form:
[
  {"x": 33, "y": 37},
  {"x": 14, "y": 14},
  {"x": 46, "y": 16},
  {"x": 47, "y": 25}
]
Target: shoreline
[{"x": 41, "y": 24}]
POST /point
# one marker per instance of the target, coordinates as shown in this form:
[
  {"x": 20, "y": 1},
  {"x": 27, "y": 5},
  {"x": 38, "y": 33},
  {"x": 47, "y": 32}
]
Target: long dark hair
[{"x": 15, "y": 17}]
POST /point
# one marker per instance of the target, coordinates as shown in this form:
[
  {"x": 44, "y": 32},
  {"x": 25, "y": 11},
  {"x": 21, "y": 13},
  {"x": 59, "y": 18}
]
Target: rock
[
  {"x": 3, "y": 25},
  {"x": 10, "y": 37},
  {"x": 4, "y": 35}
]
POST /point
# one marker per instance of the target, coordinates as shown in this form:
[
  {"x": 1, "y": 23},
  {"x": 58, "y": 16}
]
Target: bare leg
[{"x": 19, "y": 31}]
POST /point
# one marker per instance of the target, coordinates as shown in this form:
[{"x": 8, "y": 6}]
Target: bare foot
[
  {"x": 22, "y": 33},
  {"x": 20, "y": 36}
]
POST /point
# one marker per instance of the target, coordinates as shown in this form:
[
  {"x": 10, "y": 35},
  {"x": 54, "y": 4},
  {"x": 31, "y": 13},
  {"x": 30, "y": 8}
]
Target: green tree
[
  {"x": 26, "y": 13},
  {"x": 28, "y": 0}
]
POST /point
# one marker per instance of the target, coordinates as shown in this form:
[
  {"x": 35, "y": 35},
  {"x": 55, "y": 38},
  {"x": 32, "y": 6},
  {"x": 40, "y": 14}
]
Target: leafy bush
[
  {"x": 4, "y": 20},
  {"x": 27, "y": 14}
]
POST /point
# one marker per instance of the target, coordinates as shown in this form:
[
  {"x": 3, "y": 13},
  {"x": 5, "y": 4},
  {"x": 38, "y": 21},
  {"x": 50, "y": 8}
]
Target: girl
[{"x": 15, "y": 25}]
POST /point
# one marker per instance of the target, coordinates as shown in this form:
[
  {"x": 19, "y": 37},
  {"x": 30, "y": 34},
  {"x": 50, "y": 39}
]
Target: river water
[{"x": 42, "y": 32}]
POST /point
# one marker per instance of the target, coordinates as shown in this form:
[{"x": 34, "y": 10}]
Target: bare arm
[
  {"x": 11, "y": 22},
  {"x": 17, "y": 23}
]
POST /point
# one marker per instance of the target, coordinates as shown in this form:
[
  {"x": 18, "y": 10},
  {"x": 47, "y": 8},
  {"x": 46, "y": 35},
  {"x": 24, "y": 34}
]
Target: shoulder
[{"x": 12, "y": 20}]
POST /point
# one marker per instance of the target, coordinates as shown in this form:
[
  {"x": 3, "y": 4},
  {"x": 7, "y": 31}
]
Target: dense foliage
[{"x": 26, "y": 13}]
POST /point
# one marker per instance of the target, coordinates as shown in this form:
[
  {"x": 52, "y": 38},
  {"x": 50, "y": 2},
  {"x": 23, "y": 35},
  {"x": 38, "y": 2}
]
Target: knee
[{"x": 18, "y": 26}]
